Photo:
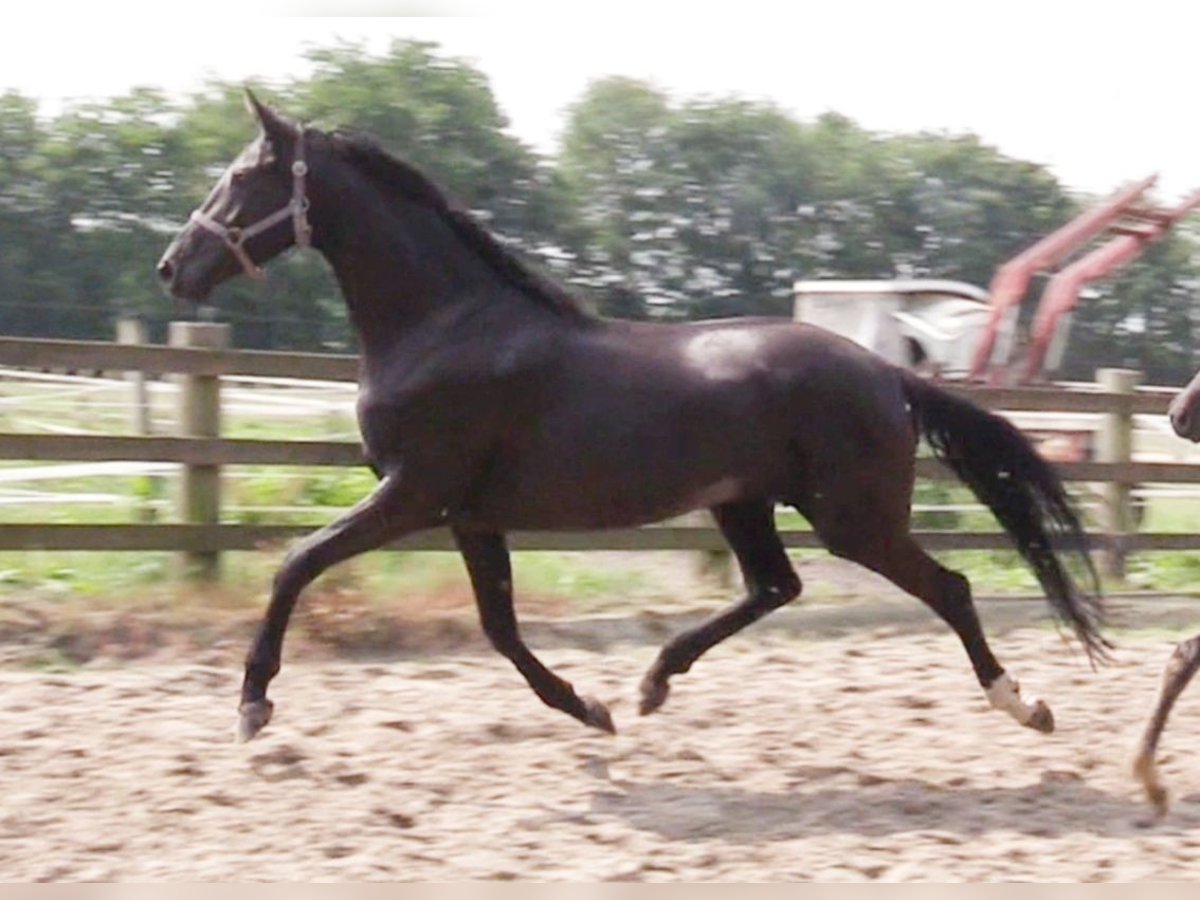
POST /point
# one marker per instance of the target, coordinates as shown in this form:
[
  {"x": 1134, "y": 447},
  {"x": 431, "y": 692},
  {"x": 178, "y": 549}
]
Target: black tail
[{"x": 996, "y": 461}]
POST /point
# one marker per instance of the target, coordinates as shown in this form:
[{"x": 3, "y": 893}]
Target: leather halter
[{"x": 296, "y": 209}]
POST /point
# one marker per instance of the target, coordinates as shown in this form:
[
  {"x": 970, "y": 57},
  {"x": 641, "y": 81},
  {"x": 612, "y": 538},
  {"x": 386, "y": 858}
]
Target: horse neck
[{"x": 400, "y": 267}]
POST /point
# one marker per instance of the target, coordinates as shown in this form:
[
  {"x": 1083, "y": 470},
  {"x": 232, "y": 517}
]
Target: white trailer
[{"x": 926, "y": 324}]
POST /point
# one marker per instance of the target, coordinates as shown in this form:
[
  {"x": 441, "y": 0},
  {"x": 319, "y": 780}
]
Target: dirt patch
[
  {"x": 864, "y": 757},
  {"x": 841, "y": 740},
  {"x": 215, "y": 625}
]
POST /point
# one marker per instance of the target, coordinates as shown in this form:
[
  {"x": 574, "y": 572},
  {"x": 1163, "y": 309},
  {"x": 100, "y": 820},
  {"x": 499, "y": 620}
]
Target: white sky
[{"x": 1100, "y": 92}]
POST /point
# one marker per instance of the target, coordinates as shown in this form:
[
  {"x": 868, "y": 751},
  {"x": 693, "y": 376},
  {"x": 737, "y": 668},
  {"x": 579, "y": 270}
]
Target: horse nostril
[
  {"x": 165, "y": 270},
  {"x": 1181, "y": 423}
]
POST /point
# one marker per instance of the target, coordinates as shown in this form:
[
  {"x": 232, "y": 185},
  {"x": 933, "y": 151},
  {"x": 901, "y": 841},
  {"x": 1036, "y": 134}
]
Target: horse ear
[{"x": 278, "y": 129}]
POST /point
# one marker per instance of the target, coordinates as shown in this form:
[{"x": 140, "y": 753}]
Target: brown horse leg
[
  {"x": 770, "y": 583},
  {"x": 901, "y": 560},
  {"x": 1179, "y": 671},
  {"x": 374, "y": 521},
  {"x": 488, "y": 564}
]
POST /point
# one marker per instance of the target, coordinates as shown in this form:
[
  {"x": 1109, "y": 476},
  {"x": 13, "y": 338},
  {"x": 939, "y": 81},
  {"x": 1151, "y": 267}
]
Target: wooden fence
[{"x": 198, "y": 352}]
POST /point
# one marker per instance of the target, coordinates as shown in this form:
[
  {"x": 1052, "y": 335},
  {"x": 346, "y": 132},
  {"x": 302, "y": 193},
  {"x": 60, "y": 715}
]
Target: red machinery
[{"x": 1132, "y": 227}]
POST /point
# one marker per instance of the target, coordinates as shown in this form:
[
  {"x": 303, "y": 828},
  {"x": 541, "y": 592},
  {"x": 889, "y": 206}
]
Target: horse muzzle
[
  {"x": 1186, "y": 424},
  {"x": 182, "y": 272}
]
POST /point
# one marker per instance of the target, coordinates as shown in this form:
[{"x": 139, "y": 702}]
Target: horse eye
[{"x": 237, "y": 175}]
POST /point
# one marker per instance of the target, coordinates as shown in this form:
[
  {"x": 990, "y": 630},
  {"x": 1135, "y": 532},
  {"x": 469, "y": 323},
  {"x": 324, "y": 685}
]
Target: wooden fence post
[
  {"x": 1115, "y": 445},
  {"x": 133, "y": 332},
  {"x": 200, "y": 416}
]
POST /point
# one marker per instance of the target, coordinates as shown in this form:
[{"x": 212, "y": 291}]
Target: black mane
[{"x": 405, "y": 179}]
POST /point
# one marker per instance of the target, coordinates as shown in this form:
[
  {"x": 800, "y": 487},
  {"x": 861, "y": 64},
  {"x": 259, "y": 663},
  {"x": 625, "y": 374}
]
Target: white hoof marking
[{"x": 1004, "y": 693}]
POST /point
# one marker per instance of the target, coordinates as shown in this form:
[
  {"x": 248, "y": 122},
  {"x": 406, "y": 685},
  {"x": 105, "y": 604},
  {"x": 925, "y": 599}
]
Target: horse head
[{"x": 257, "y": 209}]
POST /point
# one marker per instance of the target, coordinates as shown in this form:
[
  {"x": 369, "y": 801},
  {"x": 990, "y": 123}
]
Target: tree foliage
[{"x": 654, "y": 208}]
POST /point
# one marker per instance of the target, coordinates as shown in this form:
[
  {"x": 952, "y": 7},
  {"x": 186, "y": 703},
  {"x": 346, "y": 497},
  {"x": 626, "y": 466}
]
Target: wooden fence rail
[
  {"x": 249, "y": 452},
  {"x": 208, "y": 539},
  {"x": 201, "y": 535},
  {"x": 94, "y": 356}
]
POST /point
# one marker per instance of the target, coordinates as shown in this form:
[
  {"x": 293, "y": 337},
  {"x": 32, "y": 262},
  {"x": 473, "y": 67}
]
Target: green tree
[
  {"x": 969, "y": 207},
  {"x": 116, "y": 172},
  {"x": 686, "y": 212},
  {"x": 440, "y": 114},
  {"x": 655, "y": 207},
  {"x": 35, "y": 228},
  {"x": 1146, "y": 318}
]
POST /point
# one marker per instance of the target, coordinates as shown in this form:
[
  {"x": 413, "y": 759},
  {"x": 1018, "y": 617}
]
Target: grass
[
  {"x": 62, "y": 610},
  {"x": 1172, "y": 514},
  {"x": 313, "y": 496},
  {"x": 151, "y": 580}
]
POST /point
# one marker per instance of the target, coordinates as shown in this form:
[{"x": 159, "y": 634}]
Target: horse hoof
[
  {"x": 598, "y": 715},
  {"x": 1146, "y": 772},
  {"x": 1157, "y": 795},
  {"x": 1042, "y": 719},
  {"x": 654, "y": 694},
  {"x": 252, "y": 717}
]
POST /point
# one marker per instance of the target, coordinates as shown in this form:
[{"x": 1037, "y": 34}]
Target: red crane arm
[{"x": 1012, "y": 279}]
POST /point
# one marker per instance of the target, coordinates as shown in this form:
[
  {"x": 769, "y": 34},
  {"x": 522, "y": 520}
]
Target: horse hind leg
[
  {"x": 771, "y": 582},
  {"x": 868, "y": 536},
  {"x": 1179, "y": 671}
]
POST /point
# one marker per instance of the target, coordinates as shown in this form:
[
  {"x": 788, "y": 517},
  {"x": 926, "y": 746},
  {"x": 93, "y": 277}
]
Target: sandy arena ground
[{"x": 869, "y": 755}]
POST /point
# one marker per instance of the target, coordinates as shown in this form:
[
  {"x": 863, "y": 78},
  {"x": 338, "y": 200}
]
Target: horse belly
[
  {"x": 578, "y": 509},
  {"x": 618, "y": 486},
  {"x": 626, "y": 441}
]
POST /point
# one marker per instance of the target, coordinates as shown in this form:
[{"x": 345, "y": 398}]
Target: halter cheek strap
[{"x": 297, "y": 210}]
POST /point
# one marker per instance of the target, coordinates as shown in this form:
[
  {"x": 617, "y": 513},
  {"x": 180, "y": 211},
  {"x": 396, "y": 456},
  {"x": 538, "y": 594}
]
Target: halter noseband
[{"x": 297, "y": 210}]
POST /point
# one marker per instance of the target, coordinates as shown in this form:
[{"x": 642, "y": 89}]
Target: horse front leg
[
  {"x": 488, "y": 564},
  {"x": 384, "y": 516}
]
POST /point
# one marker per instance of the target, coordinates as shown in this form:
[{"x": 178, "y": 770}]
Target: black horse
[
  {"x": 1184, "y": 414},
  {"x": 491, "y": 400}
]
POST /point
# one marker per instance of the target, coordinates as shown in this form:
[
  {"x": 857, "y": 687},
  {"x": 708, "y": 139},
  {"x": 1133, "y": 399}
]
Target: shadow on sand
[{"x": 837, "y": 799}]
